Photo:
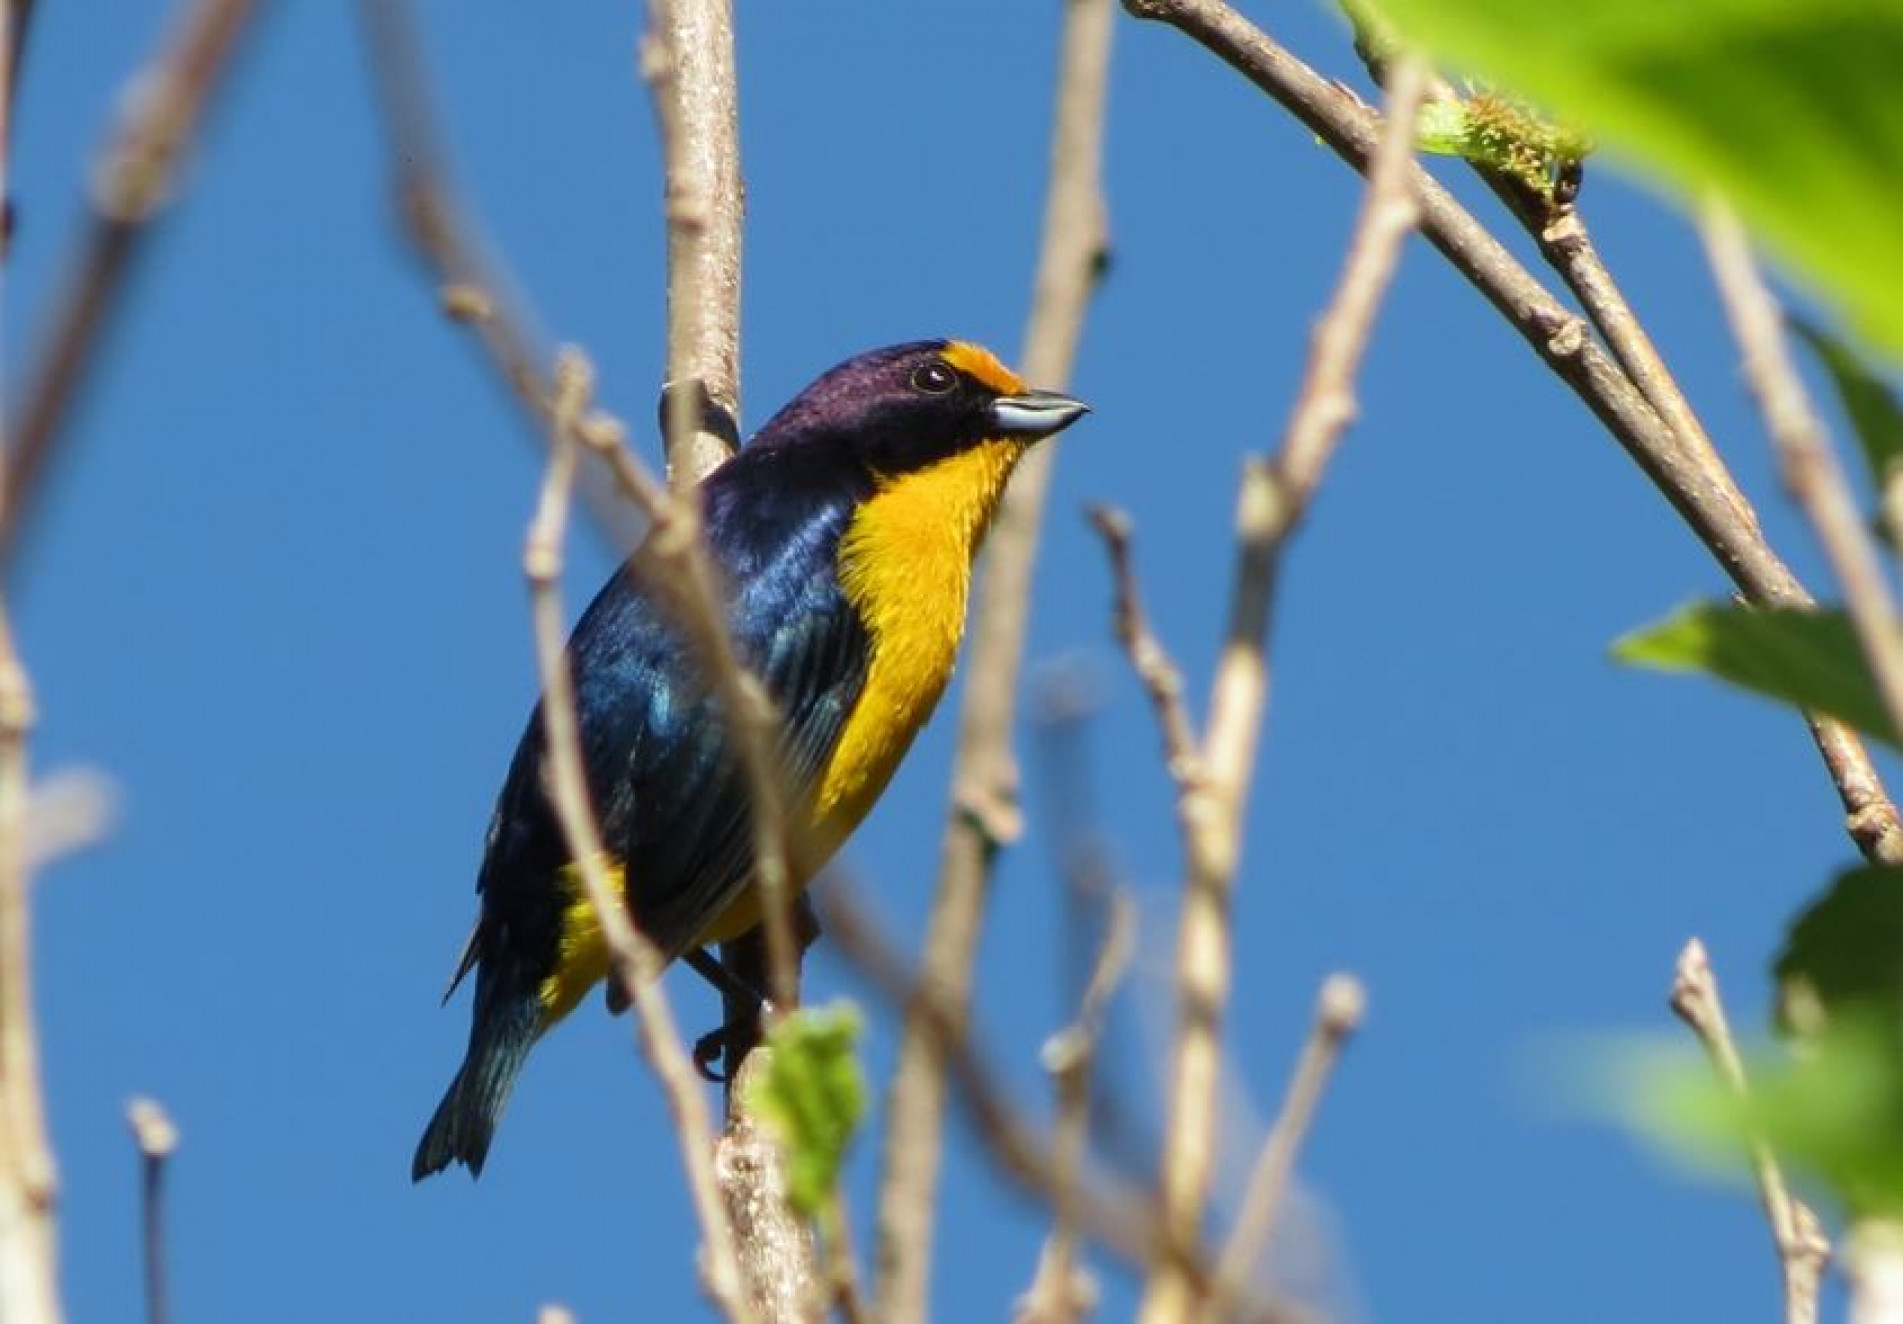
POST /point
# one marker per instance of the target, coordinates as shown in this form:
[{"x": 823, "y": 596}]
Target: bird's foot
[{"x": 713, "y": 1046}]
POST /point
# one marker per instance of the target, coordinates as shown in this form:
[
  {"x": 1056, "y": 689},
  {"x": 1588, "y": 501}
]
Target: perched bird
[{"x": 843, "y": 535}]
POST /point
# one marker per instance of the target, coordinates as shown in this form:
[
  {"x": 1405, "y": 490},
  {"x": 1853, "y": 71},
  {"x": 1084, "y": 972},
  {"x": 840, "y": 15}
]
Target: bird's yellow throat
[{"x": 905, "y": 565}]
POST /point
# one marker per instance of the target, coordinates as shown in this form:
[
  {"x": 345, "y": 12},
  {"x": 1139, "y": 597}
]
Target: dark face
[{"x": 908, "y": 406}]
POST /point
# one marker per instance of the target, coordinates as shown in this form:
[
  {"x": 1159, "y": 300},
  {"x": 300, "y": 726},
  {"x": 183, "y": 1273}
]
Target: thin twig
[
  {"x": 1108, "y": 1210},
  {"x": 29, "y": 1234},
  {"x": 135, "y": 179},
  {"x": 157, "y": 1139},
  {"x": 687, "y": 60},
  {"x": 1338, "y": 1014},
  {"x": 637, "y": 963},
  {"x": 778, "y": 1258},
  {"x": 440, "y": 228},
  {"x": 842, "y": 1265},
  {"x": 474, "y": 295},
  {"x": 1564, "y": 344},
  {"x": 1796, "y": 1234},
  {"x": 1809, "y": 463},
  {"x": 1161, "y": 677},
  {"x": 1553, "y": 219},
  {"x": 1061, "y": 1292},
  {"x": 472, "y": 286},
  {"x": 983, "y": 816},
  {"x": 1273, "y": 499},
  {"x": 29, "y": 1246},
  {"x": 1568, "y": 246}
]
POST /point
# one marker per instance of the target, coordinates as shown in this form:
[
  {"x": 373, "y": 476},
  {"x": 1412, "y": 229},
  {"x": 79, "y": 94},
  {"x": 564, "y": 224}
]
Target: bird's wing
[
  {"x": 672, "y": 804},
  {"x": 679, "y": 814}
]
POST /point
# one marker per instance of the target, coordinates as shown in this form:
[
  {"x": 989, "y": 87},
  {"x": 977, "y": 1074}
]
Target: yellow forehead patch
[{"x": 979, "y": 362}]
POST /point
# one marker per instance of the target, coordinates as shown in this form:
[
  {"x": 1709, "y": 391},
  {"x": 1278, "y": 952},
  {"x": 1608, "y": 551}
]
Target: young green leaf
[
  {"x": 1503, "y": 135},
  {"x": 1810, "y": 659},
  {"x": 1791, "y": 110},
  {"x": 813, "y": 1094}
]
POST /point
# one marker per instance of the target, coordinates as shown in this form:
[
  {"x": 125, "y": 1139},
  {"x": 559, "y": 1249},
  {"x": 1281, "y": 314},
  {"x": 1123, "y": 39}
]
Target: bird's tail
[{"x": 499, "y": 1041}]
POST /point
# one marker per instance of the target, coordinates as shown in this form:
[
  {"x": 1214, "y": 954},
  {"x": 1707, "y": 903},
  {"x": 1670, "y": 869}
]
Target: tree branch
[
  {"x": 636, "y": 962},
  {"x": 1273, "y": 499},
  {"x": 29, "y": 1234},
  {"x": 134, "y": 181},
  {"x": 29, "y": 1254},
  {"x": 1564, "y": 344},
  {"x": 157, "y": 1140},
  {"x": 1338, "y": 1014},
  {"x": 1802, "y": 1251},
  {"x": 1162, "y": 679},
  {"x": 687, "y": 60},
  {"x": 984, "y": 778},
  {"x": 1061, "y": 1292},
  {"x": 1811, "y": 471},
  {"x": 1108, "y": 1210}
]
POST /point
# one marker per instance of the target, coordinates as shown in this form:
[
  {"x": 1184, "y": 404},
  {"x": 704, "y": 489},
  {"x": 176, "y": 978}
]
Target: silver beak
[{"x": 1035, "y": 413}]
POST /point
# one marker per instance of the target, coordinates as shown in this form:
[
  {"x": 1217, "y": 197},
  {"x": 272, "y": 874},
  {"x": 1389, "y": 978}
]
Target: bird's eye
[{"x": 934, "y": 378}]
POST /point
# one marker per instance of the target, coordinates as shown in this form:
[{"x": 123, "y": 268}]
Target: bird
[{"x": 843, "y": 536}]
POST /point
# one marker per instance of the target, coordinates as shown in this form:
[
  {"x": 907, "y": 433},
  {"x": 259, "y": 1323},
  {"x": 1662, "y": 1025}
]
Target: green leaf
[
  {"x": 1833, "y": 1112},
  {"x": 813, "y": 1094},
  {"x": 1791, "y": 108},
  {"x": 1844, "y": 954},
  {"x": 1810, "y": 659},
  {"x": 1868, "y": 401}
]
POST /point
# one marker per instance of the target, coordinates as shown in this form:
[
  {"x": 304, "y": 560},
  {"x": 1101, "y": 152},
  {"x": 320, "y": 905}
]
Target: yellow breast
[{"x": 905, "y": 565}]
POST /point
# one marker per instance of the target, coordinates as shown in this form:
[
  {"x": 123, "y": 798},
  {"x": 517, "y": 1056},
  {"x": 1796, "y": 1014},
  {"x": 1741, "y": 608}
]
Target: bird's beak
[{"x": 1035, "y": 414}]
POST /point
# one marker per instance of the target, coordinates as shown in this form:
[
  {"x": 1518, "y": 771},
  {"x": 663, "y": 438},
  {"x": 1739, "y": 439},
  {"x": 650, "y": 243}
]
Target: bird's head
[{"x": 907, "y": 407}]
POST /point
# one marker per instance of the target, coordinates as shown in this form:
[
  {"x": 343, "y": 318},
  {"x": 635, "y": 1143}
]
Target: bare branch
[
  {"x": 1161, "y": 678},
  {"x": 1809, "y": 463},
  {"x": 984, "y": 777},
  {"x": 777, "y": 1257},
  {"x": 157, "y": 1139},
  {"x": 687, "y": 60},
  {"x": 1565, "y": 345},
  {"x": 1108, "y": 1210},
  {"x": 1061, "y": 1291},
  {"x": 134, "y": 180},
  {"x": 29, "y": 1235},
  {"x": 474, "y": 295},
  {"x": 636, "y": 962},
  {"x": 1798, "y": 1237},
  {"x": 473, "y": 289},
  {"x": 1273, "y": 499},
  {"x": 1568, "y": 246},
  {"x": 29, "y": 1255},
  {"x": 1338, "y": 1014}
]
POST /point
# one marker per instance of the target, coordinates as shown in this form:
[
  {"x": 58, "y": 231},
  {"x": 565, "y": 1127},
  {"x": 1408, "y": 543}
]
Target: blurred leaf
[
  {"x": 1810, "y": 659},
  {"x": 813, "y": 1094},
  {"x": 1793, "y": 110},
  {"x": 1868, "y": 401},
  {"x": 1845, "y": 953},
  {"x": 1831, "y": 1104},
  {"x": 1833, "y": 1112}
]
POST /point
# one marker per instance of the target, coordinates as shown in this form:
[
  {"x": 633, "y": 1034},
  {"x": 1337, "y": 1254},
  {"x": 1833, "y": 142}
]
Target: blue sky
[{"x": 274, "y": 594}]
